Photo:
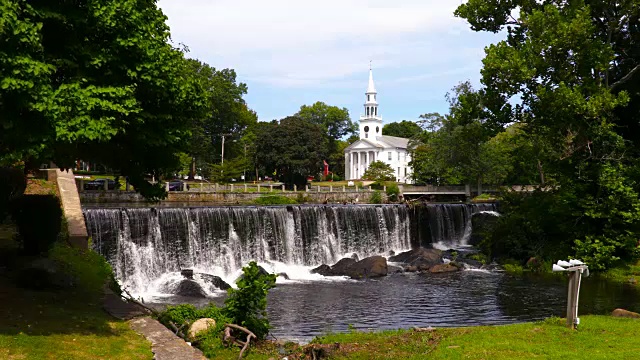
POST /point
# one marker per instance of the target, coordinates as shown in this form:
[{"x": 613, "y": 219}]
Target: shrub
[
  {"x": 274, "y": 200},
  {"x": 393, "y": 191},
  {"x": 376, "y": 197},
  {"x": 39, "y": 220},
  {"x": 12, "y": 184},
  {"x": 247, "y": 304}
]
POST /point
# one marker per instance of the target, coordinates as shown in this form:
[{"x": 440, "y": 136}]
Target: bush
[
  {"x": 376, "y": 197},
  {"x": 247, "y": 305},
  {"x": 393, "y": 191},
  {"x": 274, "y": 200},
  {"x": 12, "y": 184},
  {"x": 39, "y": 220}
]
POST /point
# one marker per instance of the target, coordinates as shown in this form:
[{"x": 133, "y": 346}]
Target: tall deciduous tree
[
  {"x": 570, "y": 71},
  {"x": 403, "y": 129},
  {"x": 94, "y": 79},
  {"x": 379, "y": 172},
  {"x": 291, "y": 149}
]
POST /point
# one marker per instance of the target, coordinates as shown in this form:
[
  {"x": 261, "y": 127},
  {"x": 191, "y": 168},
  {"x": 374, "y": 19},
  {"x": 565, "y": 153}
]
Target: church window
[
  {"x": 398, "y": 160},
  {"x": 367, "y": 111},
  {"x": 405, "y": 172},
  {"x": 368, "y": 97},
  {"x": 377, "y": 129},
  {"x": 366, "y": 135},
  {"x": 390, "y": 155},
  {"x": 366, "y": 129},
  {"x": 376, "y": 111}
]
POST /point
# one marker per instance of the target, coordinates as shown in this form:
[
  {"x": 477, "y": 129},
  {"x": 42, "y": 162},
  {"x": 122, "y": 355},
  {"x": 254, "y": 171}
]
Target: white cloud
[{"x": 289, "y": 43}]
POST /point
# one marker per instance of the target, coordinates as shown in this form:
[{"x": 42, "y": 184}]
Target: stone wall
[
  {"x": 225, "y": 198},
  {"x": 70, "y": 201}
]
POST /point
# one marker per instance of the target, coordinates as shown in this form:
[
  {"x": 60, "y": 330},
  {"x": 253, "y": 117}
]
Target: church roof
[
  {"x": 394, "y": 141},
  {"x": 384, "y": 142}
]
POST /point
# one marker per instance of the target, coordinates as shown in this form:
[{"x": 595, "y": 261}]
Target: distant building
[{"x": 373, "y": 146}]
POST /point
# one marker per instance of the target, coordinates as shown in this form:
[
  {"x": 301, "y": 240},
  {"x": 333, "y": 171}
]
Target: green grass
[
  {"x": 61, "y": 324},
  {"x": 599, "y": 337},
  {"x": 627, "y": 273}
]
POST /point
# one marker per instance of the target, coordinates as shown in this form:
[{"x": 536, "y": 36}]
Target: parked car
[
  {"x": 98, "y": 184},
  {"x": 177, "y": 185}
]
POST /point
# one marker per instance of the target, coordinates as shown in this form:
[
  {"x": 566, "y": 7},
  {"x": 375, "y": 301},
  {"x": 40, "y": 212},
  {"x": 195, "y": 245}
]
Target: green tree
[
  {"x": 94, "y": 80},
  {"x": 403, "y": 129},
  {"x": 291, "y": 149},
  {"x": 336, "y": 124},
  {"x": 379, "y": 172},
  {"x": 575, "y": 86}
]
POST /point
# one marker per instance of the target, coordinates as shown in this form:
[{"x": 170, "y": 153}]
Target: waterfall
[
  {"x": 144, "y": 245},
  {"x": 450, "y": 224}
]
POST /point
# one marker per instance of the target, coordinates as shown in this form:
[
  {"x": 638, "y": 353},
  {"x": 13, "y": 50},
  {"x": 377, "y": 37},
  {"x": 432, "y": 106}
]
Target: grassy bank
[
  {"x": 599, "y": 337},
  {"x": 60, "y": 323}
]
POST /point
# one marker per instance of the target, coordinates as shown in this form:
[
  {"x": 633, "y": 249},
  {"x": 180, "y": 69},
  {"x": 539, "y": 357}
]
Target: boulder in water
[
  {"x": 411, "y": 268},
  {"x": 189, "y": 288},
  {"x": 355, "y": 257},
  {"x": 420, "y": 257},
  {"x": 394, "y": 269},
  {"x": 283, "y": 275},
  {"x": 442, "y": 268},
  {"x": 371, "y": 267},
  {"x": 340, "y": 268},
  {"x": 187, "y": 273},
  {"x": 215, "y": 281},
  {"x": 324, "y": 270}
]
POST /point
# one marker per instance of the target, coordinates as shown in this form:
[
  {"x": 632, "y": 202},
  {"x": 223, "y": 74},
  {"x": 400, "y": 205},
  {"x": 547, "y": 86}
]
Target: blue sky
[{"x": 292, "y": 52}]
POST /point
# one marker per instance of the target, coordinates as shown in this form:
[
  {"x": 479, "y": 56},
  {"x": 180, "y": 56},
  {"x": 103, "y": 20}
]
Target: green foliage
[
  {"x": 376, "y": 197},
  {"x": 247, "y": 305},
  {"x": 119, "y": 95},
  {"x": 513, "y": 268},
  {"x": 482, "y": 258},
  {"x": 291, "y": 149},
  {"x": 187, "y": 313},
  {"x": 392, "y": 191},
  {"x": 334, "y": 121},
  {"x": 404, "y": 129},
  {"x": 559, "y": 77},
  {"x": 39, "y": 221},
  {"x": 274, "y": 200},
  {"x": 12, "y": 184},
  {"x": 379, "y": 171}
]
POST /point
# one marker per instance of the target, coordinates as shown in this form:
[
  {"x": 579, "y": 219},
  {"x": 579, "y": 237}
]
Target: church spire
[{"x": 371, "y": 89}]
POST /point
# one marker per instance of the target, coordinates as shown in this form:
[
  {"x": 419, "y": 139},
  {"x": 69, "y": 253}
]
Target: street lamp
[{"x": 575, "y": 268}]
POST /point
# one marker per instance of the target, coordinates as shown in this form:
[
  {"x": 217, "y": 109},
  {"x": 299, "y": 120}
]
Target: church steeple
[{"x": 370, "y": 122}]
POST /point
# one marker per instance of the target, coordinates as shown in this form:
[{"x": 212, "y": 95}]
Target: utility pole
[{"x": 222, "y": 155}]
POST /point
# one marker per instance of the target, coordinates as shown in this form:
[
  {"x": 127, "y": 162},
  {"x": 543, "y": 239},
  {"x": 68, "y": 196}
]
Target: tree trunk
[
  {"x": 541, "y": 172},
  {"x": 192, "y": 172},
  {"x": 479, "y": 185}
]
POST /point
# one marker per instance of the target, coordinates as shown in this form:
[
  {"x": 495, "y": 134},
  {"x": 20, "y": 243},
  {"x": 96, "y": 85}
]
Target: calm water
[{"x": 302, "y": 310}]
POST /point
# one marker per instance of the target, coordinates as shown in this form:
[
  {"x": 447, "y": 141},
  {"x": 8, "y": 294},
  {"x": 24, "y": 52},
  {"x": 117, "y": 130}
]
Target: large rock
[
  {"x": 421, "y": 258},
  {"x": 214, "y": 280},
  {"x": 340, "y": 268},
  {"x": 199, "y": 326},
  {"x": 324, "y": 270},
  {"x": 625, "y": 314},
  {"x": 371, "y": 267},
  {"x": 189, "y": 288},
  {"x": 443, "y": 268},
  {"x": 481, "y": 223}
]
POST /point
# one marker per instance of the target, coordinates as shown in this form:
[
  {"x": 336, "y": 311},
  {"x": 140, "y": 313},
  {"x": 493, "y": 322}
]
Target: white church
[{"x": 373, "y": 146}]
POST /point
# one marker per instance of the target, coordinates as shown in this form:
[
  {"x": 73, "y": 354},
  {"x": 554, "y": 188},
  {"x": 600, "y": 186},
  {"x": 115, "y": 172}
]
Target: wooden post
[
  {"x": 166, "y": 185},
  {"x": 271, "y": 188},
  {"x": 306, "y": 188},
  {"x": 369, "y": 187},
  {"x": 216, "y": 188},
  {"x": 245, "y": 187},
  {"x": 295, "y": 188},
  {"x": 330, "y": 188},
  {"x": 344, "y": 188},
  {"x": 356, "y": 188},
  {"x": 572, "y": 298},
  {"x": 384, "y": 188},
  {"x": 318, "y": 188},
  {"x": 184, "y": 186},
  {"x": 282, "y": 187},
  {"x": 201, "y": 186},
  {"x": 231, "y": 187},
  {"x": 258, "y": 187}
]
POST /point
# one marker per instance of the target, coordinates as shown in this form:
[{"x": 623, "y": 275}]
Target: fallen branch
[
  {"x": 228, "y": 338},
  {"x": 130, "y": 297}
]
